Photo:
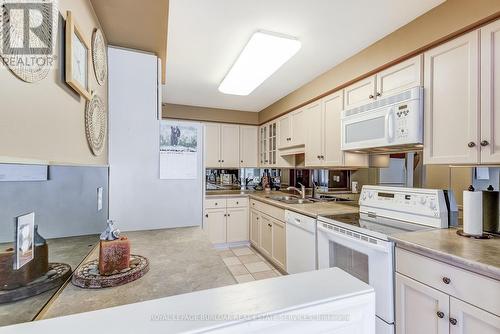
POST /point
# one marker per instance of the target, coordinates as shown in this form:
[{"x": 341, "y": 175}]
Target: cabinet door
[
  {"x": 420, "y": 308},
  {"x": 212, "y": 145},
  {"x": 490, "y": 93},
  {"x": 467, "y": 319},
  {"x": 298, "y": 121},
  {"x": 279, "y": 243},
  {"x": 285, "y": 133},
  {"x": 272, "y": 144},
  {"x": 255, "y": 228},
  {"x": 314, "y": 136},
  {"x": 266, "y": 235},
  {"x": 332, "y": 112},
  {"x": 237, "y": 224},
  {"x": 451, "y": 81},
  {"x": 360, "y": 92},
  {"x": 214, "y": 224},
  {"x": 263, "y": 146},
  {"x": 230, "y": 145},
  {"x": 248, "y": 146},
  {"x": 400, "y": 77}
]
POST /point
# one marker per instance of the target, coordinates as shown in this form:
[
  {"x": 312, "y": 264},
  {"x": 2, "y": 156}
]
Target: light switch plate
[{"x": 99, "y": 199}]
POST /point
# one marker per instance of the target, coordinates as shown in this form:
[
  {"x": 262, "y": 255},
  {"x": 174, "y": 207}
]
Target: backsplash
[{"x": 64, "y": 205}]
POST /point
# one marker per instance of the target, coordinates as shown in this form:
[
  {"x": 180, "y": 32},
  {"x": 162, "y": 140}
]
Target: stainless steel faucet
[{"x": 301, "y": 191}]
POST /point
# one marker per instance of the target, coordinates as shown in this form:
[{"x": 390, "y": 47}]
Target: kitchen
[{"x": 245, "y": 178}]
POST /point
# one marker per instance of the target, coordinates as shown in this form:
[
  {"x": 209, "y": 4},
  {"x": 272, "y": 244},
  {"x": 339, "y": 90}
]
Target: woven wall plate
[
  {"x": 20, "y": 61},
  {"x": 99, "y": 57},
  {"x": 96, "y": 123}
]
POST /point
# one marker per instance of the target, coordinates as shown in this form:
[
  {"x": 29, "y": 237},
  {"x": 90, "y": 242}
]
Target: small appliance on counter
[{"x": 481, "y": 213}]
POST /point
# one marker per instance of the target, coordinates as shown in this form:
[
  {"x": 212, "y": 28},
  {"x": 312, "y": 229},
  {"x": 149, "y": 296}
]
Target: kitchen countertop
[
  {"x": 70, "y": 250},
  {"x": 181, "y": 260},
  {"x": 310, "y": 209},
  {"x": 479, "y": 256}
]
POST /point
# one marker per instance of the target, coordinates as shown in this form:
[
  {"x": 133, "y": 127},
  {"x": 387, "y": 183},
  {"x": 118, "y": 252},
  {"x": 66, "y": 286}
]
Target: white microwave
[{"x": 394, "y": 123}]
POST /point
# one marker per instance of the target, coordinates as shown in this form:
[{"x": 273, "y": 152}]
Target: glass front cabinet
[{"x": 268, "y": 147}]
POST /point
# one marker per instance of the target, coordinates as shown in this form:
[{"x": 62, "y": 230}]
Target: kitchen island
[
  {"x": 181, "y": 260},
  {"x": 301, "y": 303}
]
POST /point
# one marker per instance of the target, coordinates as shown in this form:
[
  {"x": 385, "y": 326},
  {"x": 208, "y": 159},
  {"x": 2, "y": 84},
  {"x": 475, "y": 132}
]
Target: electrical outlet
[{"x": 99, "y": 199}]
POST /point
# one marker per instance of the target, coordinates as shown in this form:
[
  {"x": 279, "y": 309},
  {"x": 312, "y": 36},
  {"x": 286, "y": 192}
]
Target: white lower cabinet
[
  {"x": 418, "y": 308},
  {"x": 469, "y": 319},
  {"x": 427, "y": 298},
  {"x": 237, "y": 224},
  {"x": 226, "y": 220},
  {"x": 268, "y": 232}
]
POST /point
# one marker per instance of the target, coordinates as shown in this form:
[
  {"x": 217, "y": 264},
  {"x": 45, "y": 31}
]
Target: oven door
[
  {"x": 369, "y": 129},
  {"x": 370, "y": 260}
]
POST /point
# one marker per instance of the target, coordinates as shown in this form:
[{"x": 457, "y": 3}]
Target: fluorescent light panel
[{"x": 262, "y": 56}]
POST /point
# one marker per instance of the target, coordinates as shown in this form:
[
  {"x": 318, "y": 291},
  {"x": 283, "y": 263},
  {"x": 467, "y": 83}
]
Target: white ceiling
[{"x": 206, "y": 36}]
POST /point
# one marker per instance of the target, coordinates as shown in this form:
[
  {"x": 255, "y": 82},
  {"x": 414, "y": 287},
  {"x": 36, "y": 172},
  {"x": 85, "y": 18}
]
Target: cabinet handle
[
  {"x": 269, "y": 225},
  {"x": 206, "y": 215},
  {"x": 229, "y": 215},
  {"x": 378, "y": 94},
  {"x": 484, "y": 143},
  {"x": 440, "y": 314},
  {"x": 446, "y": 280},
  {"x": 241, "y": 161},
  {"x": 257, "y": 218},
  {"x": 222, "y": 160},
  {"x": 237, "y": 203},
  {"x": 319, "y": 156},
  {"x": 371, "y": 96},
  {"x": 215, "y": 203},
  {"x": 219, "y": 160},
  {"x": 453, "y": 321},
  {"x": 471, "y": 144}
]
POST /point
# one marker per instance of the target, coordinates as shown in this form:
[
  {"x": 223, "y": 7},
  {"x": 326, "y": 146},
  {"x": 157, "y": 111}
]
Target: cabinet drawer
[
  {"x": 237, "y": 202},
  {"x": 472, "y": 288},
  {"x": 269, "y": 210},
  {"x": 215, "y": 203}
]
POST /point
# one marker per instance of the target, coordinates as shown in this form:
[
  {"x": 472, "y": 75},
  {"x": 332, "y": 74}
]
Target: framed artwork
[
  {"x": 78, "y": 55},
  {"x": 25, "y": 239}
]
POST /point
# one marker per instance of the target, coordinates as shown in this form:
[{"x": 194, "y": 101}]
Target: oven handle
[
  {"x": 389, "y": 126},
  {"x": 378, "y": 248}
]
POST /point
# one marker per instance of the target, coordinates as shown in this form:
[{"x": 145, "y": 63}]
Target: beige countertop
[
  {"x": 310, "y": 209},
  {"x": 480, "y": 256},
  {"x": 181, "y": 260}
]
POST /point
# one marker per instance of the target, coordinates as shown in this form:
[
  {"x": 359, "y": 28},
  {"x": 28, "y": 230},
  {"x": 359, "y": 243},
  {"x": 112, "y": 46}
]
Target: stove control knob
[
  {"x": 363, "y": 196},
  {"x": 370, "y": 194},
  {"x": 432, "y": 204},
  {"x": 423, "y": 200}
]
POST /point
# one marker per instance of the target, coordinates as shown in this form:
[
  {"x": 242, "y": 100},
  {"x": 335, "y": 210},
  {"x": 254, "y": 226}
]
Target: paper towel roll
[{"x": 473, "y": 212}]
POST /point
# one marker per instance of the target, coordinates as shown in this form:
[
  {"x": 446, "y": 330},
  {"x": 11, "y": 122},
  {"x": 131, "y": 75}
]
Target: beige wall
[
  {"x": 443, "y": 20},
  {"x": 209, "y": 114},
  {"x": 45, "y": 120}
]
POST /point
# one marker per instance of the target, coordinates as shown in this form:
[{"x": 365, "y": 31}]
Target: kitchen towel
[{"x": 473, "y": 212}]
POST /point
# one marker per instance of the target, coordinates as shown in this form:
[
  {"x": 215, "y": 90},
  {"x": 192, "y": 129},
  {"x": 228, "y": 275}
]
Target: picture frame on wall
[
  {"x": 25, "y": 239},
  {"x": 78, "y": 56}
]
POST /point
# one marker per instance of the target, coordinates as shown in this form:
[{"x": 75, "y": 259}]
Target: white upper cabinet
[
  {"x": 248, "y": 146},
  {"x": 314, "y": 136},
  {"x": 230, "y": 145},
  {"x": 399, "y": 77},
  {"x": 323, "y": 135},
  {"x": 360, "y": 92},
  {"x": 212, "y": 145},
  {"x": 285, "y": 136},
  {"x": 490, "y": 93},
  {"x": 298, "y": 121},
  {"x": 451, "y": 107}
]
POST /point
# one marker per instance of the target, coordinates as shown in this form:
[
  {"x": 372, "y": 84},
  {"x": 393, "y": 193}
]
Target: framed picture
[
  {"x": 25, "y": 239},
  {"x": 78, "y": 55}
]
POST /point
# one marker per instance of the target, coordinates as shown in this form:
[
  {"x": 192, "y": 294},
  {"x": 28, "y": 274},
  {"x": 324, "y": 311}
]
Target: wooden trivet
[
  {"x": 58, "y": 274},
  {"x": 87, "y": 275}
]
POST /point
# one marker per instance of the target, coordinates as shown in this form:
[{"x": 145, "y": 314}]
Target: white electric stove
[{"x": 359, "y": 244}]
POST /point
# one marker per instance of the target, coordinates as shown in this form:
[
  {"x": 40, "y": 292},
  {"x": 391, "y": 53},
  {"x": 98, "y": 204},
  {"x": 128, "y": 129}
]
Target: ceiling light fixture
[{"x": 264, "y": 53}]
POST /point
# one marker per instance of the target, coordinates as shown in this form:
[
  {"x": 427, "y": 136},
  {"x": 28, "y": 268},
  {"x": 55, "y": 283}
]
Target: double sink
[{"x": 291, "y": 199}]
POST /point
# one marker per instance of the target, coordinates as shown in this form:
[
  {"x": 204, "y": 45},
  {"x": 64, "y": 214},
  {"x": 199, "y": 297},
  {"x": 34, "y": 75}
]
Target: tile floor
[{"x": 247, "y": 265}]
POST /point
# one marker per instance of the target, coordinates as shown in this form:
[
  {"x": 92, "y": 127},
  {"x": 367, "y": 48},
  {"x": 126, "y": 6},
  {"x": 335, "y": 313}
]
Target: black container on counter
[{"x": 490, "y": 211}]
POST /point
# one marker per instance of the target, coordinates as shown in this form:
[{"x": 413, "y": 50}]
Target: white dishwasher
[{"x": 300, "y": 243}]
